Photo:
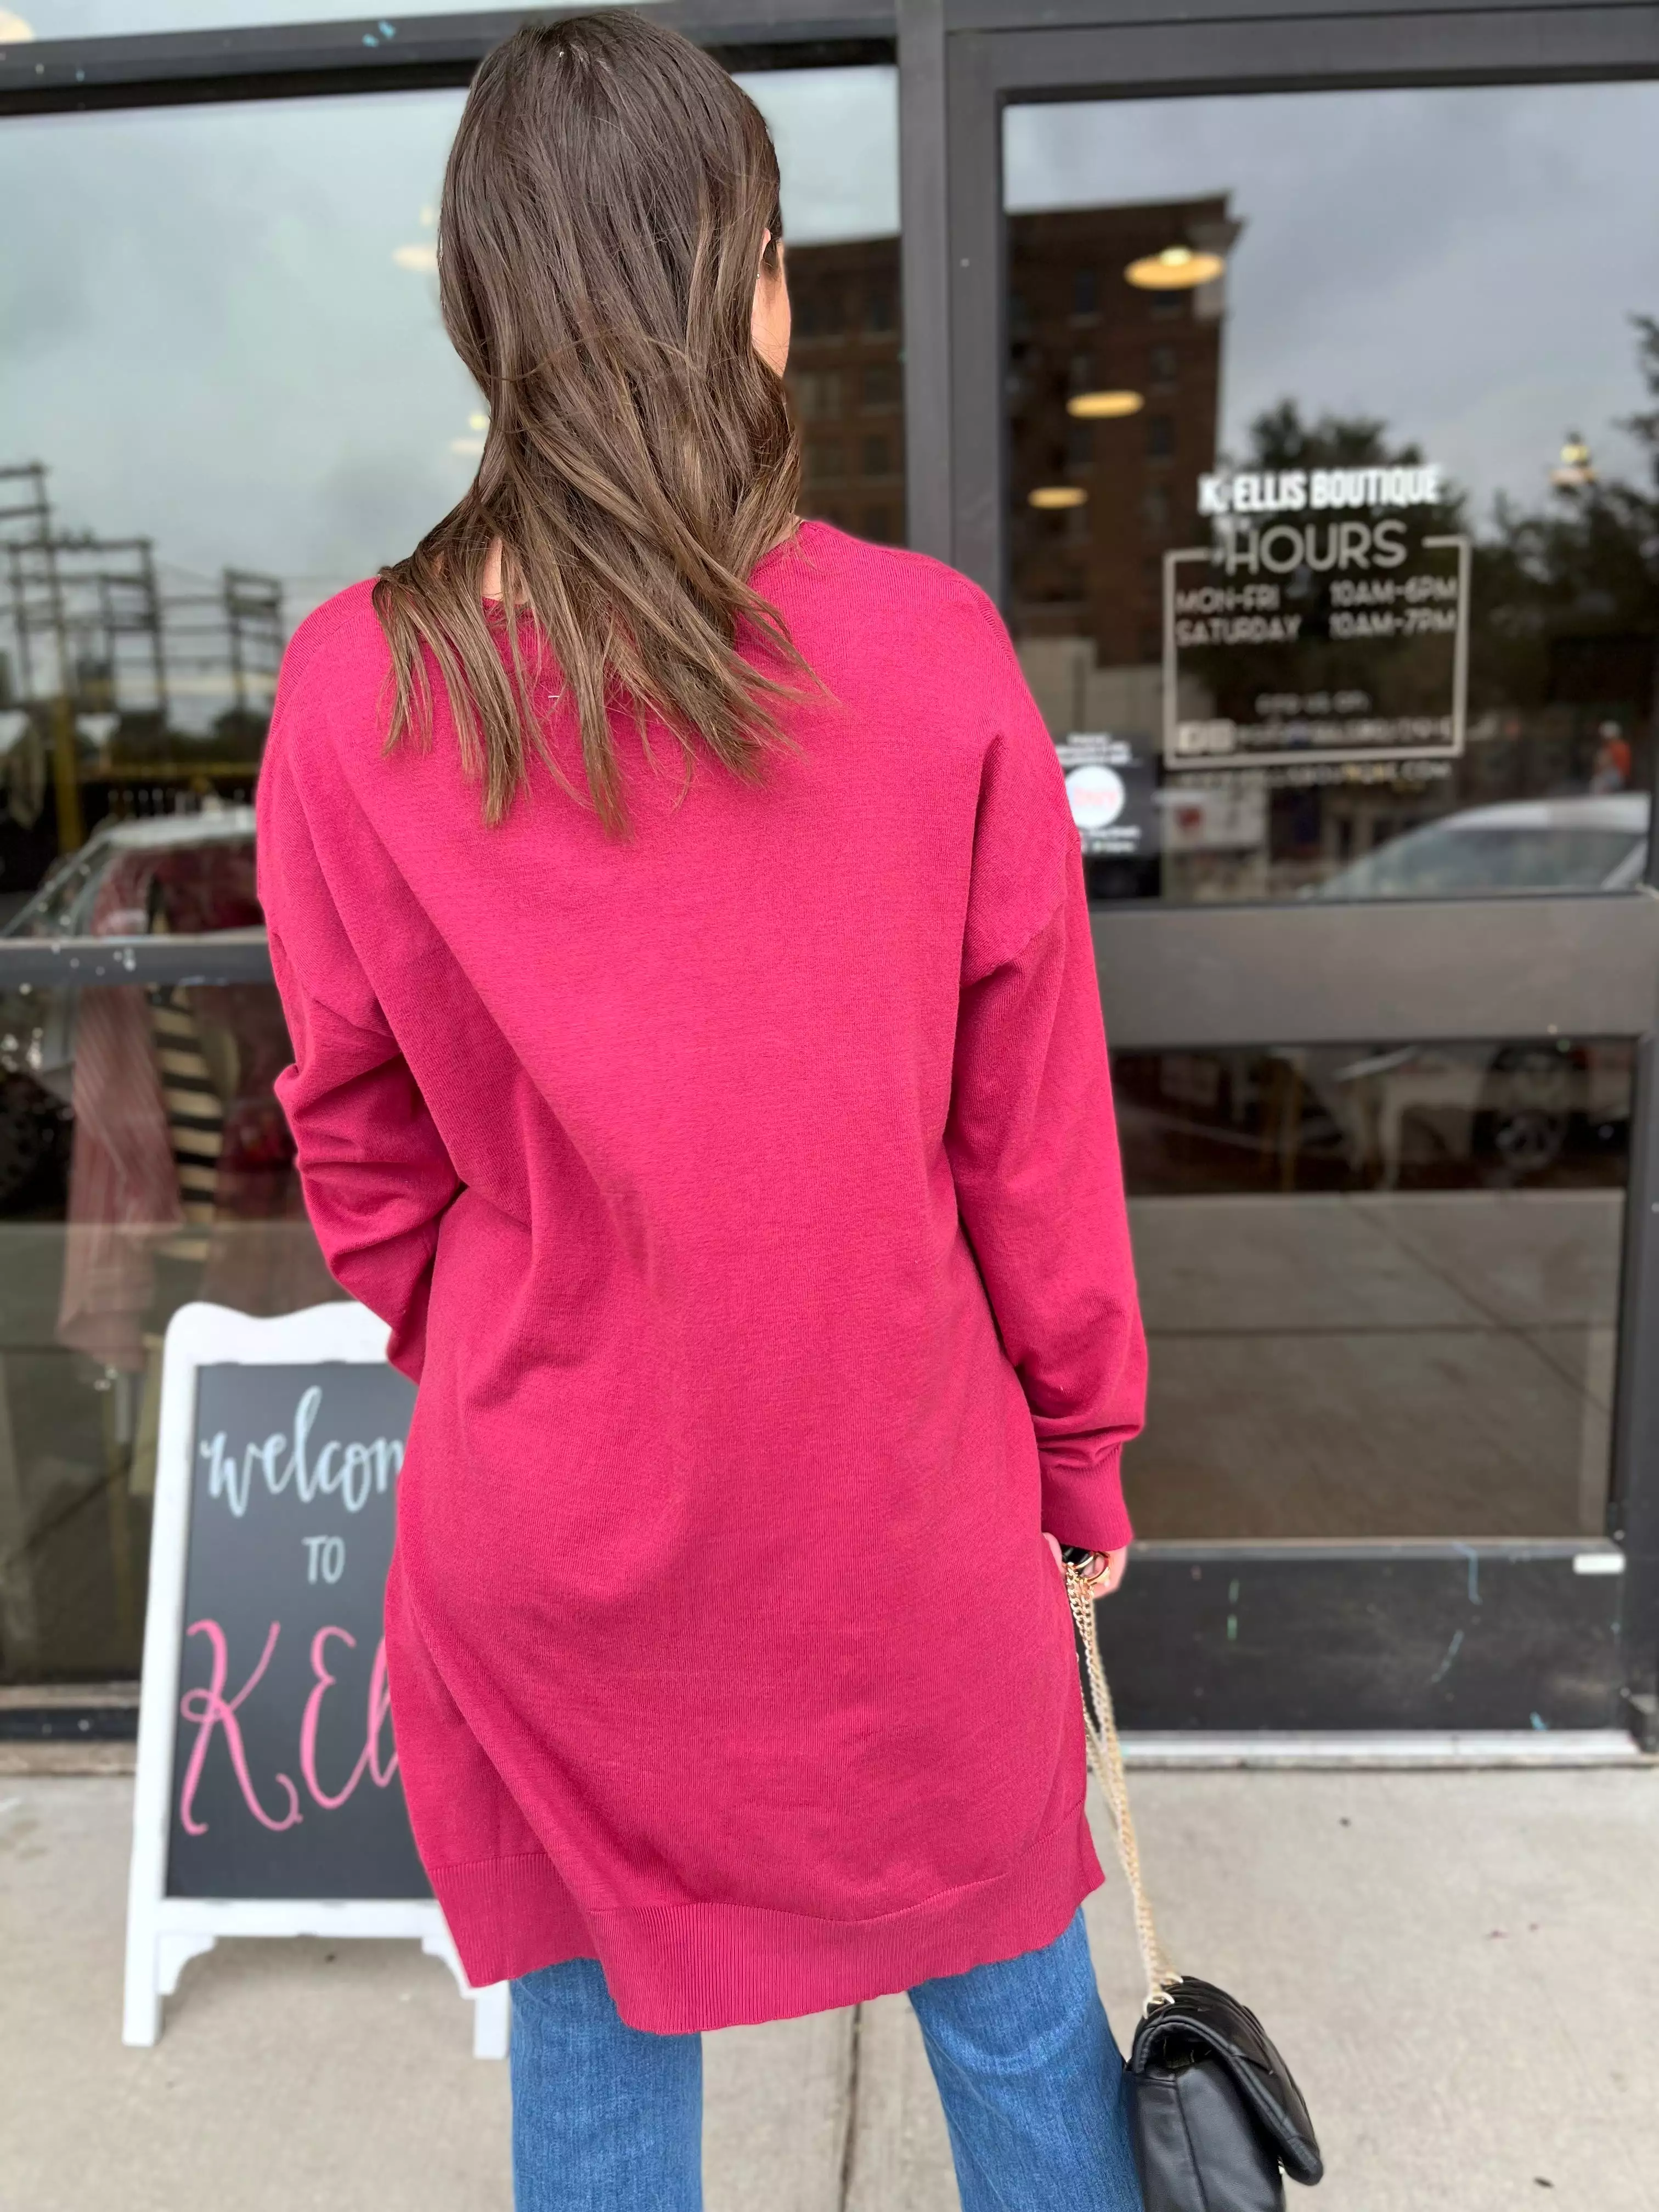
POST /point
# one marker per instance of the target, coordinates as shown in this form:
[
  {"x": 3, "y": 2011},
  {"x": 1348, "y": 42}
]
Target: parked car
[
  {"x": 1590, "y": 843},
  {"x": 121, "y": 883},
  {"x": 1498, "y": 1112},
  {"x": 66, "y": 901},
  {"x": 1513, "y": 1107}
]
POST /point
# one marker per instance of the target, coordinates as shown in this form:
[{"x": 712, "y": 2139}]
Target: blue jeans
[{"x": 608, "y": 2119}]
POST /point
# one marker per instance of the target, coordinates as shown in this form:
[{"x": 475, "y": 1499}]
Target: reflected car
[
  {"x": 1513, "y": 1110},
  {"x": 1332, "y": 1118},
  {"x": 1508, "y": 1113},
  {"x": 1597, "y": 842},
  {"x": 121, "y": 883}
]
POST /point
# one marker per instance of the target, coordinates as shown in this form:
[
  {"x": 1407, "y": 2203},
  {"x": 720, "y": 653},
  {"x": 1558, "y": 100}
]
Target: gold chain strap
[{"x": 1106, "y": 1757}]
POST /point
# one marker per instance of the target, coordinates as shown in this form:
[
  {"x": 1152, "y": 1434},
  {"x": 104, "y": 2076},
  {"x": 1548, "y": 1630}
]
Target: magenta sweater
[{"x": 744, "y": 1198}]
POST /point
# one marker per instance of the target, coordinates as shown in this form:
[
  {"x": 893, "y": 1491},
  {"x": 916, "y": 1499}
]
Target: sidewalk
[{"x": 1460, "y": 1966}]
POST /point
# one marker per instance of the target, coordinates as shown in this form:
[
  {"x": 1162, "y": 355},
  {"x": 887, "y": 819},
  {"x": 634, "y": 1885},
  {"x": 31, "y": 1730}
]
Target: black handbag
[{"x": 1218, "y": 2121}]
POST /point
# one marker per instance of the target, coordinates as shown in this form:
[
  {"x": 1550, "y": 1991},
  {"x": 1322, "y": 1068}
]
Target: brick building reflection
[
  {"x": 846, "y": 382},
  {"x": 1114, "y": 403},
  {"x": 1114, "y": 398}
]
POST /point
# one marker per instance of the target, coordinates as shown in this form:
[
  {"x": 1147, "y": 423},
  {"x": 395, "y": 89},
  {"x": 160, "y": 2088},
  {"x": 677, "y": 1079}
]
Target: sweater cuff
[{"x": 1083, "y": 1505}]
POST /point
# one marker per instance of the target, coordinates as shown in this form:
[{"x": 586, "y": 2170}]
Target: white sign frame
[{"x": 165, "y": 1933}]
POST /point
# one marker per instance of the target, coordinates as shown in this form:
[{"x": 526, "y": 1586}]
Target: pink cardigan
[{"x": 744, "y": 1198}]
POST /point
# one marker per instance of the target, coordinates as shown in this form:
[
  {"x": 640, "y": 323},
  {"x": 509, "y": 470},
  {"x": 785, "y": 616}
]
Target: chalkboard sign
[
  {"x": 285, "y": 1773},
  {"x": 268, "y": 1798}
]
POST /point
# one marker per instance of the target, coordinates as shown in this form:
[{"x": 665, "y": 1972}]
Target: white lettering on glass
[{"x": 1290, "y": 492}]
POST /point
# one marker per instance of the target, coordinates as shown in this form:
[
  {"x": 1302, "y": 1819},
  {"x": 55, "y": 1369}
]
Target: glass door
[
  {"x": 1331, "y": 426},
  {"x": 1325, "y": 521}
]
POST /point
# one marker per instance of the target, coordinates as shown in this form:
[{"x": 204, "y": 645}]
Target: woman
[{"x": 698, "y": 1064}]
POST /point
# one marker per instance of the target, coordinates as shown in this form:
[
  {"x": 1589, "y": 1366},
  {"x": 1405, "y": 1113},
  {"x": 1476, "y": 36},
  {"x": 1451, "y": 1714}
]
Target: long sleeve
[
  {"x": 375, "y": 1172},
  {"x": 1032, "y": 1142}
]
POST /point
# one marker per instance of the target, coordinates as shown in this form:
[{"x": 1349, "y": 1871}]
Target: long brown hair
[{"x": 605, "y": 214}]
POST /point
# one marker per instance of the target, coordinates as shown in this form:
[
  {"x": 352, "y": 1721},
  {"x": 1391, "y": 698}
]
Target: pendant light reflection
[
  {"x": 1176, "y": 269},
  {"x": 1575, "y": 469},
  {"x": 1053, "y": 497},
  {"x": 14, "y": 31},
  {"x": 1104, "y": 406},
  {"x": 422, "y": 256}
]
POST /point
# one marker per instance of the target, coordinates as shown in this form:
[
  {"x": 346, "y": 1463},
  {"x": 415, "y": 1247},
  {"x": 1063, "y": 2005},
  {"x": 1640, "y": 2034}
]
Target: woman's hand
[{"x": 1101, "y": 1572}]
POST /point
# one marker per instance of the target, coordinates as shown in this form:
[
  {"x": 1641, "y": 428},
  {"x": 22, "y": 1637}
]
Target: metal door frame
[{"x": 1559, "y": 1646}]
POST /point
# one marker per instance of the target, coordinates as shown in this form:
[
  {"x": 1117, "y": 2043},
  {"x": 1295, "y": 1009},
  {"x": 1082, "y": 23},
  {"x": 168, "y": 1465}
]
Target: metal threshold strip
[
  {"x": 1404, "y": 1749},
  {"x": 1269, "y": 1751}
]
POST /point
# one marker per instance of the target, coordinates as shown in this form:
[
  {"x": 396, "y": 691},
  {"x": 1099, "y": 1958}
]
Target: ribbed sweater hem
[{"x": 677, "y": 1968}]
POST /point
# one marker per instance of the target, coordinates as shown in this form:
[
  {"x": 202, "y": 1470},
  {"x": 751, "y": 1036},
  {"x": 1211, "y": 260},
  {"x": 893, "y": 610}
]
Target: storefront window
[
  {"x": 1335, "y": 484},
  {"x": 228, "y": 395},
  {"x": 143, "y": 1162},
  {"x": 1381, "y": 1287}
]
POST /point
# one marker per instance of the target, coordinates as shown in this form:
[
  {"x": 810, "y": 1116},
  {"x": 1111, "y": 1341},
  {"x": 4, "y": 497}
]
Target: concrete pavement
[{"x": 1460, "y": 1966}]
